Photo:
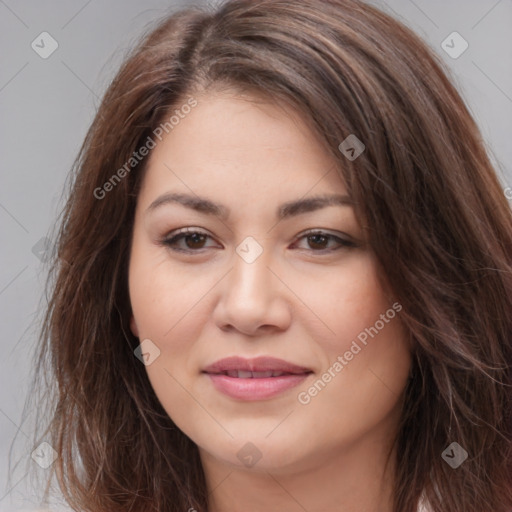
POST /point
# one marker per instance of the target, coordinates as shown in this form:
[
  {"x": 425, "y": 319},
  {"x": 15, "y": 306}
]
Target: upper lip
[{"x": 258, "y": 364}]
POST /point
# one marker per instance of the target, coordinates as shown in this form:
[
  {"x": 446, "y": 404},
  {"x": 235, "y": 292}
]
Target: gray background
[{"x": 46, "y": 106}]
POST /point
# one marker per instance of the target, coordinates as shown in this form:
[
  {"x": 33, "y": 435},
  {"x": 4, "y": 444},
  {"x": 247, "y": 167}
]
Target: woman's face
[{"x": 252, "y": 284}]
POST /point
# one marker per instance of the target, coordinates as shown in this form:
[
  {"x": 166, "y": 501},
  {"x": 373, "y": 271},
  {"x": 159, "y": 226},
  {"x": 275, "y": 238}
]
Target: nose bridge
[
  {"x": 250, "y": 295},
  {"x": 251, "y": 275}
]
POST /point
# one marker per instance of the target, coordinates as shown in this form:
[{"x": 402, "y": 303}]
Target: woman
[{"x": 283, "y": 278}]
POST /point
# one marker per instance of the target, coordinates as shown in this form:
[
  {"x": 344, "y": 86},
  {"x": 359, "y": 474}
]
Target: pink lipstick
[{"x": 255, "y": 379}]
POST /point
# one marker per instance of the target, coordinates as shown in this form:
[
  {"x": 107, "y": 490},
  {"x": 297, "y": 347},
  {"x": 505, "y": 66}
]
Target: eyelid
[{"x": 326, "y": 232}]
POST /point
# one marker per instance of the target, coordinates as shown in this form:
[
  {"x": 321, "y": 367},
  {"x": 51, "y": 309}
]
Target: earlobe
[{"x": 133, "y": 327}]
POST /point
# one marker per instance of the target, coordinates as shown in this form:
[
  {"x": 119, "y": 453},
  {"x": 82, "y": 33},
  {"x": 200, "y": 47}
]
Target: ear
[{"x": 133, "y": 327}]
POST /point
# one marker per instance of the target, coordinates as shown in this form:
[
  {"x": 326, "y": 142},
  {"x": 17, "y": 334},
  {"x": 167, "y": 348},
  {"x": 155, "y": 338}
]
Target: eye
[
  {"x": 194, "y": 240},
  {"x": 319, "y": 240}
]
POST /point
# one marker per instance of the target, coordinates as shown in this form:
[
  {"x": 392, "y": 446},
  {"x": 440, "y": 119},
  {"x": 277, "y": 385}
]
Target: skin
[{"x": 295, "y": 302}]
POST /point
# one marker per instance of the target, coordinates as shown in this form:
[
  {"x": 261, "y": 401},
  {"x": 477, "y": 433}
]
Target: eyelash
[{"x": 186, "y": 232}]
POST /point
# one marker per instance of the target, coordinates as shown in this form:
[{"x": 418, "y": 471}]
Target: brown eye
[
  {"x": 194, "y": 241},
  {"x": 319, "y": 241}
]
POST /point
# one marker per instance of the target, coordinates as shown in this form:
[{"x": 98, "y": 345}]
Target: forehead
[{"x": 241, "y": 143}]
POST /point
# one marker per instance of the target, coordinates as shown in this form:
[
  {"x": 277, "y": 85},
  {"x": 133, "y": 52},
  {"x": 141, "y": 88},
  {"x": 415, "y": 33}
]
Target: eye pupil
[
  {"x": 195, "y": 236},
  {"x": 315, "y": 240}
]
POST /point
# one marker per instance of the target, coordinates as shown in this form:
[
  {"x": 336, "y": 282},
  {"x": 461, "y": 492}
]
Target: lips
[
  {"x": 255, "y": 379},
  {"x": 242, "y": 374},
  {"x": 259, "y": 367}
]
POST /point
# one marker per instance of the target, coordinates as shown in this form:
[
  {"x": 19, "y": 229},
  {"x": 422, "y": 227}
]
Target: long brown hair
[{"x": 438, "y": 222}]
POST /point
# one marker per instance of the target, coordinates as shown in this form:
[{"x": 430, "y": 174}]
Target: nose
[{"x": 253, "y": 297}]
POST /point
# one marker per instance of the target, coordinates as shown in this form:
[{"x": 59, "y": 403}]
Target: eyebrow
[{"x": 285, "y": 210}]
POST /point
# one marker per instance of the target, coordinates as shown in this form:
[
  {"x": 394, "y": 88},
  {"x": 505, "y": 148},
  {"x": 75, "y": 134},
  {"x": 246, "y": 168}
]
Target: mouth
[
  {"x": 255, "y": 379},
  {"x": 243, "y": 374}
]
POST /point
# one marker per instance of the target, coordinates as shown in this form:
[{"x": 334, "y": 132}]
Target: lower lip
[{"x": 255, "y": 389}]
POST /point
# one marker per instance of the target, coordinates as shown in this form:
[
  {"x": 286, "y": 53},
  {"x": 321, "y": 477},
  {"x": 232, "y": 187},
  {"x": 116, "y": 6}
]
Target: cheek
[
  {"x": 365, "y": 353},
  {"x": 349, "y": 300},
  {"x": 162, "y": 296},
  {"x": 163, "y": 306},
  {"x": 170, "y": 307}
]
